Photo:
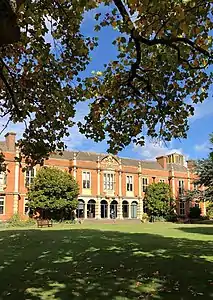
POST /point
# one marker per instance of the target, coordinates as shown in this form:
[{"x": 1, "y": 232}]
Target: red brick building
[{"x": 107, "y": 183}]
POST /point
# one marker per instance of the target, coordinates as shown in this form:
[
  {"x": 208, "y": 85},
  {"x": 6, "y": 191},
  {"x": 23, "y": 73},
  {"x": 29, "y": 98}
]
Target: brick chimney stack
[
  {"x": 162, "y": 161},
  {"x": 10, "y": 139},
  {"x": 191, "y": 164}
]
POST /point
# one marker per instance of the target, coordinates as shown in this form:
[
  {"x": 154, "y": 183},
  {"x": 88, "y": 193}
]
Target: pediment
[{"x": 109, "y": 162}]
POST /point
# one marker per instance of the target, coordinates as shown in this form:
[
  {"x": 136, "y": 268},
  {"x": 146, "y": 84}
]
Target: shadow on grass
[
  {"x": 200, "y": 230},
  {"x": 92, "y": 264}
]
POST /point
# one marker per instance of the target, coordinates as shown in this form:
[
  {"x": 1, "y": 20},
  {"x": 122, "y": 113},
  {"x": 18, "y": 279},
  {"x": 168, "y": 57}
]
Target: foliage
[
  {"x": 209, "y": 211},
  {"x": 17, "y": 221},
  {"x": 194, "y": 212},
  {"x": 53, "y": 189},
  {"x": 144, "y": 218},
  {"x": 159, "y": 219},
  {"x": 158, "y": 199},
  {"x": 171, "y": 217},
  {"x": 164, "y": 51},
  {"x": 204, "y": 171}
]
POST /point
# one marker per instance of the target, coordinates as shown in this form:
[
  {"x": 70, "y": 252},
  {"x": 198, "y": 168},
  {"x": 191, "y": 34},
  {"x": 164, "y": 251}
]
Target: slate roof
[
  {"x": 92, "y": 156},
  {"x": 176, "y": 167}
]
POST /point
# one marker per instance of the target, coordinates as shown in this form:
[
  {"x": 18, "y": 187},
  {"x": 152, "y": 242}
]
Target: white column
[
  {"x": 129, "y": 209},
  {"x": 139, "y": 185},
  {"x": 120, "y": 215},
  {"x": 85, "y": 209},
  {"x": 140, "y": 208},
  {"x": 74, "y": 165},
  {"x": 97, "y": 209},
  {"x": 188, "y": 180},
  {"x": 99, "y": 182},
  {"x": 173, "y": 184},
  {"x": 120, "y": 184},
  {"x": 108, "y": 209},
  {"x": 16, "y": 185}
]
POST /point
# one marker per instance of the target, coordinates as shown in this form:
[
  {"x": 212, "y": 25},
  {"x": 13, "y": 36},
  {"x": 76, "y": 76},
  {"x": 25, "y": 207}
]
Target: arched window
[
  {"x": 80, "y": 209},
  {"x": 134, "y": 209},
  {"x": 113, "y": 209},
  {"x": 91, "y": 208},
  {"x": 104, "y": 209},
  {"x": 125, "y": 209}
]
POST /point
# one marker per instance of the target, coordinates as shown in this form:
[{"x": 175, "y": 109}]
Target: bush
[
  {"x": 159, "y": 219},
  {"x": 209, "y": 212},
  {"x": 17, "y": 221},
  {"x": 194, "y": 212},
  {"x": 171, "y": 217},
  {"x": 145, "y": 218}
]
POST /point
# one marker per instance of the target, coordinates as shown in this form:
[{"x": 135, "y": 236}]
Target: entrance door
[
  {"x": 80, "y": 209},
  {"x": 134, "y": 207},
  {"x": 113, "y": 209},
  {"x": 104, "y": 209}
]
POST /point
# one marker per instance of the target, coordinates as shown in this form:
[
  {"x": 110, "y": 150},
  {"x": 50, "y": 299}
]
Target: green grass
[{"x": 107, "y": 261}]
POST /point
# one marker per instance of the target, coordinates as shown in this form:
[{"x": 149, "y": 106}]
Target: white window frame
[
  {"x": 182, "y": 209},
  {"x": 30, "y": 177},
  {"x": 26, "y": 201},
  {"x": 3, "y": 180},
  {"x": 145, "y": 185},
  {"x": 180, "y": 187},
  {"x": 109, "y": 185},
  {"x": 129, "y": 183},
  {"x": 87, "y": 181},
  {"x": 2, "y": 198}
]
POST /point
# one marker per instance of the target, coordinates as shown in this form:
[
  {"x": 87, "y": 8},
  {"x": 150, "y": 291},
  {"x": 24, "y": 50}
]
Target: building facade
[{"x": 107, "y": 183}]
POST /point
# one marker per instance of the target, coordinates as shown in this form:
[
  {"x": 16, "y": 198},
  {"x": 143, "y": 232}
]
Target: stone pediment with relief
[{"x": 109, "y": 162}]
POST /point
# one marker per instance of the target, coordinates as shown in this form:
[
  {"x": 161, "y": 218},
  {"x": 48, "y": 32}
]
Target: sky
[{"x": 196, "y": 145}]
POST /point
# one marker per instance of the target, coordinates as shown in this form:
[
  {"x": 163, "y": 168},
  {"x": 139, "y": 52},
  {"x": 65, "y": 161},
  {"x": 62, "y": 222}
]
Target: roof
[
  {"x": 176, "y": 167},
  {"x": 93, "y": 157}
]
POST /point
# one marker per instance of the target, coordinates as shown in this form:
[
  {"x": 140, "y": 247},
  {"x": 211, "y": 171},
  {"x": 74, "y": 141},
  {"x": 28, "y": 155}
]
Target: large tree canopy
[
  {"x": 53, "y": 189},
  {"x": 204, "y": 170},
  {"x": 160, "y": 73},
  {"x": 158, "y": 200}
]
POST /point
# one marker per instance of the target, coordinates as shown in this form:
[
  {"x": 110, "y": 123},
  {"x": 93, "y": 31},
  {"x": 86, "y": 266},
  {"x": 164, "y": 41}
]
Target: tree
[
  {"x": 164, "y": 51},
  {"x": 204, "y": 170},
  {"x": 53, "y": 190},
  {"x": 158, "y": 199}
]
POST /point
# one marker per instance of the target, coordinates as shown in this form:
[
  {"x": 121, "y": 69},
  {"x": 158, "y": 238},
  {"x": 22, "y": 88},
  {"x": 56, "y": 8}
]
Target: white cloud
[
  {"x": 202, "y": 110},
  {"x": 204, "y": 147},
  {"x": 152, "y": 149}
]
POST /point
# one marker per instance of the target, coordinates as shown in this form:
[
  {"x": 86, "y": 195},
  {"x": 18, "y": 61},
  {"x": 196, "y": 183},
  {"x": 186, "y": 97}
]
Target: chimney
[
  {"x": 191, "y": 164},
  {"x": 162, "y": 161},
  {"x": 10, "y": 139}
]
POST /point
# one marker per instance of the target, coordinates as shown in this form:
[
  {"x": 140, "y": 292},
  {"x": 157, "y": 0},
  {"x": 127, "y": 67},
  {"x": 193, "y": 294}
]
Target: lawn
[{"x": 107, "y": 261}]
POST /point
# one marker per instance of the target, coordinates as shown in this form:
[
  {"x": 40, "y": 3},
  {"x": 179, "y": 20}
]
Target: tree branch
[{"x": 11, "y": 92}]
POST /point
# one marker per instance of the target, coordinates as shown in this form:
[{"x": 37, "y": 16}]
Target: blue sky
[{"x": 201, "y": 124}]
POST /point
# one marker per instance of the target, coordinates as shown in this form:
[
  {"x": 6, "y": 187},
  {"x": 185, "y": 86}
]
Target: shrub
[
  {"x": 194, "y": 212},
  {"x": 17, "y": 221},
  {"x": 171, "y": 217},
  {"x": 159, "y": 219},
  {"x": 209, "y": 212},
  {"x": 145, "y": 218}
]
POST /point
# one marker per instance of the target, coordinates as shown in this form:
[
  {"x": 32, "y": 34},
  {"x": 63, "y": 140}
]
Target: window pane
[{"x": 1, "y": 210}]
